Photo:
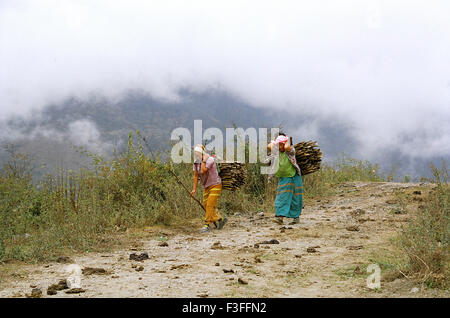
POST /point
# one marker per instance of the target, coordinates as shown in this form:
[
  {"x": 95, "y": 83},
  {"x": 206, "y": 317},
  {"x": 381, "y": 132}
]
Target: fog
[{"x": 382, "y": 67}]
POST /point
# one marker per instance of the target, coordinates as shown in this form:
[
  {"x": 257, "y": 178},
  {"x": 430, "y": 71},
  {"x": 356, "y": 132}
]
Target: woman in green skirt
[{"x": 289, "y": 200}]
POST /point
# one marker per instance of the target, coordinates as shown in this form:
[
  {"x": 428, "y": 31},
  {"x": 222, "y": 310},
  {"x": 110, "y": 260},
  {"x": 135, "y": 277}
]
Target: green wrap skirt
[{"x": 289, "y": 200}]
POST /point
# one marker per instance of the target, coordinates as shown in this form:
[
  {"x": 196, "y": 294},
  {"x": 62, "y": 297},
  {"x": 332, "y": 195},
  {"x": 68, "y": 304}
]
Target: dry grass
[{"x": 426, "y": 238}]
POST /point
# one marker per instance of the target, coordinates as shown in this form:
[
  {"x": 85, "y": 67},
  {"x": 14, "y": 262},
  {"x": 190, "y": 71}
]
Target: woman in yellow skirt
[{"x": 205, "y": 168}]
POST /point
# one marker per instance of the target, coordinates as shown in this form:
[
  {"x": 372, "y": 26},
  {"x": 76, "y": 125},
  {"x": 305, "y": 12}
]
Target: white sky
[{"x": 382, "y": 65}]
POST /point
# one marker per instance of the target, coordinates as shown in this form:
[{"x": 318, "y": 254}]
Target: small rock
[
  {"x": 273, "y": 241},
  {"x": 115, "y": 276},
  {"x": 217, "y": 246},
  {"x": 217, "y": 264},
  {"x": 75, "y": 291},
  {"x": 202, "y": 295},
  {"x": 354, "y": 247},
  {"x": 93, "y": 270},
  {"x": 228, "y": 270},
  {"x": 311, "y": 250},
  {"x": 414, "y": 290},
  {"x": 398, "y": 211},
  {"x": 241, "y": 281},
  {"x": 35, "y": 293},
  {"x": 179, "y": 266},
  {"x": 163, "y": 244},
  {"x": 52, "y": 289},
  {"x": 417, "y": 192},
  {"x": 358, "y": 212},
  {"x": 357, "y": 270},
  {"x": 258, "y": 260},
  {"x": 140, "y": 257},
  {"x": 64, "y": 260},
  {"x": 51, "y": 292},
  {"x": 139, "y": 268},
  {"x": 352, "y": 228},
  {"x": 297, "y": 256}
]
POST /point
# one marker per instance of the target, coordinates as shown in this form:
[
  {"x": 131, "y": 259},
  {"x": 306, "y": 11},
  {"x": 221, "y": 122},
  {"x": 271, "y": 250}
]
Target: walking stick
[
  {"x": 173, "y": 173},
  {"x": 179, "y": 181}
]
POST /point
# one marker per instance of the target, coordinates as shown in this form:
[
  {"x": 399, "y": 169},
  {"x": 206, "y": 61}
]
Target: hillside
[{"x": 53, "y": 135}]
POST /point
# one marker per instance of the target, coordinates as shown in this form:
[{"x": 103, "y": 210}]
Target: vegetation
[
  {"x": 426, "y": 238},
  {"x": 79, "y": 210},
  {"x": 344, "y": 169}
]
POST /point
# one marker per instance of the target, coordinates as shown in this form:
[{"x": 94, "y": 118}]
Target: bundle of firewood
[
  {"x": 308, "y": 156},
  {"x": 233, "y": 175}
]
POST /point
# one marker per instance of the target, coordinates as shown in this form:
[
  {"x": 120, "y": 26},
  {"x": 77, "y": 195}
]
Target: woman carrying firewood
[
  {"x": 205, "y": 167},
  {"x": 289, "y": 200}
]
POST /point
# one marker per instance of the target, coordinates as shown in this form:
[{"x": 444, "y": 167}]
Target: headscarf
[
  {"x": 281, "y": 139},
  {"x": 200, "y": 148}
]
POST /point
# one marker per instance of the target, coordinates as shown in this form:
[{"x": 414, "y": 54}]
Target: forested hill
[{"x": 101, "y": 125}]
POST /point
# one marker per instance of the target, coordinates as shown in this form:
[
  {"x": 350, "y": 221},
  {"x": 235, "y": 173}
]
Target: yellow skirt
[{"x": 210, "y": 201}]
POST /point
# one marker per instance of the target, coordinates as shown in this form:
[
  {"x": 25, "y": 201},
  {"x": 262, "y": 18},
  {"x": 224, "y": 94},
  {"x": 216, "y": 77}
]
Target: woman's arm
[
  {"x": 195, "y": 182},
  {"x": 287, "y": 147},
  {"x": 203, "y": 167}
]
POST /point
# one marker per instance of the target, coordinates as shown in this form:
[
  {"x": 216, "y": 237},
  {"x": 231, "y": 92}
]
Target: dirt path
[{"x": 324, "y": 256}]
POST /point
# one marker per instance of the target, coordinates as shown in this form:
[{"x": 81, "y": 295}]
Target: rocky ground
[{"x": 326, "y": 255}]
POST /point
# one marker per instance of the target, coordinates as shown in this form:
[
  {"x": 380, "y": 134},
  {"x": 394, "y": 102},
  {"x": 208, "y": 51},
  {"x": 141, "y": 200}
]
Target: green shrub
[{"x": 426, "y": 238}]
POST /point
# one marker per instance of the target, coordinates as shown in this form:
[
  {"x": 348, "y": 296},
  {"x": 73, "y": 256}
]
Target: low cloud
[
  {"x": 80, "y": 133},
  {"x": 382, "y": 66}
]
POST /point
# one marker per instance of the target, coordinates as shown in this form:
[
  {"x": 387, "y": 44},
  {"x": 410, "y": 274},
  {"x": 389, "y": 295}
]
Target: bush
[
  {"x": 426, "y": 238},
  {"x": 343, "y": 169}
]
